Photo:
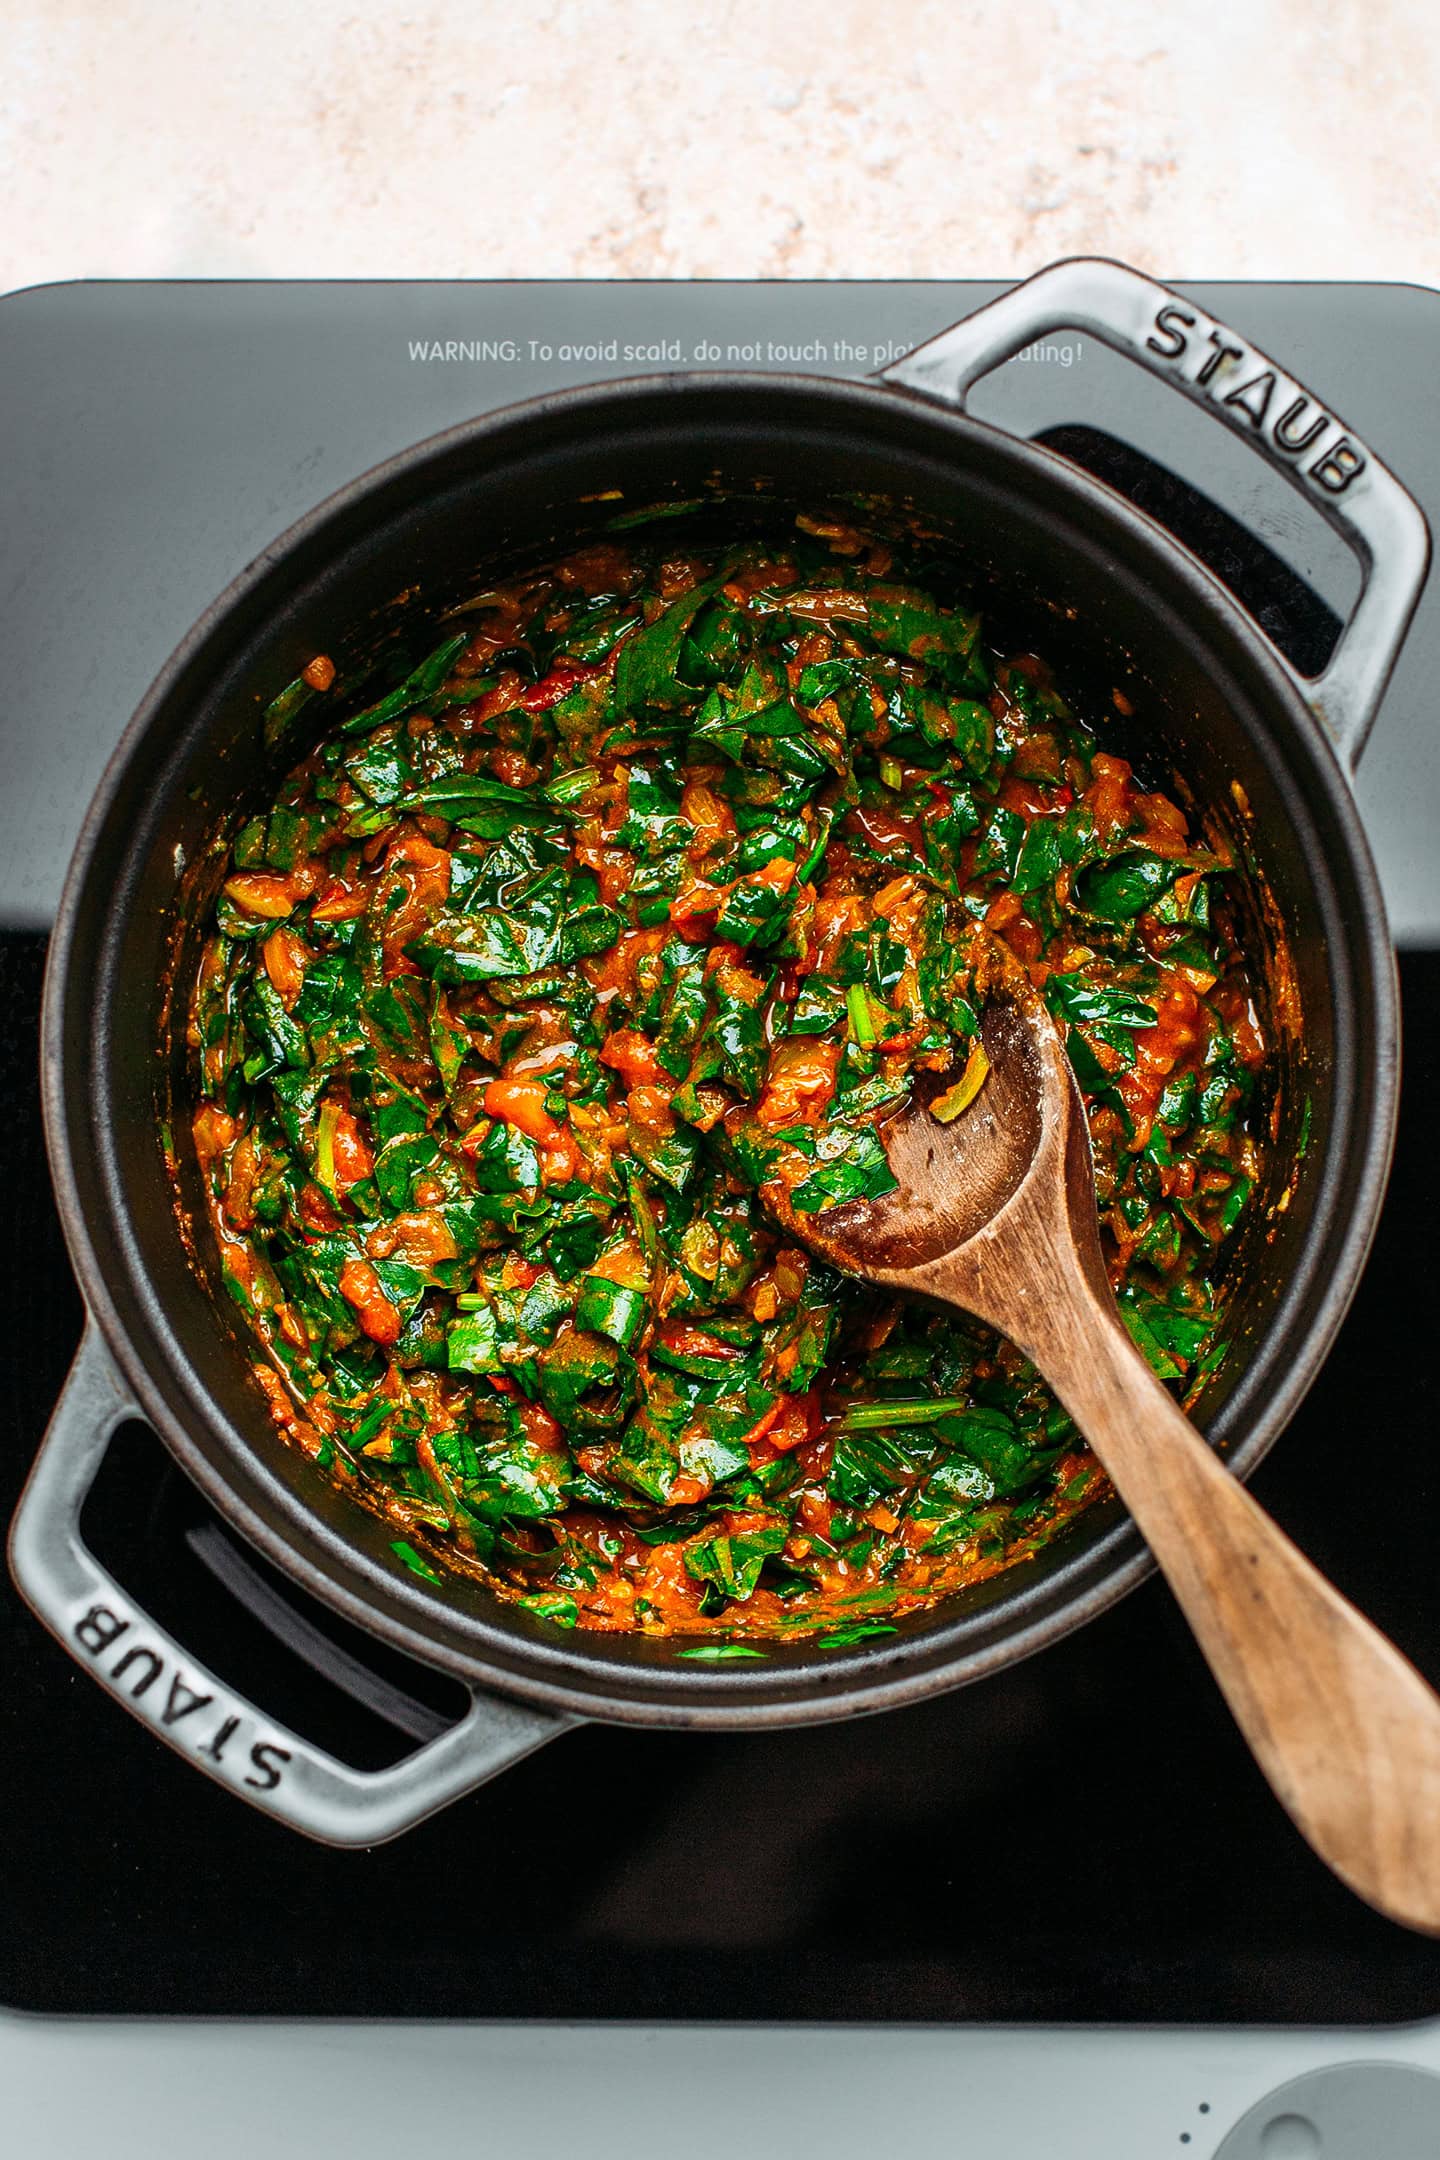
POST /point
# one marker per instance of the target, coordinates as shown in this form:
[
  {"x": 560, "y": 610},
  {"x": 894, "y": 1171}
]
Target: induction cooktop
[{"x": 1080, "y": 1839}]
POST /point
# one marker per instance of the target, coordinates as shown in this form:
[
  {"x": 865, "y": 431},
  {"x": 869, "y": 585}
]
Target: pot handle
[
  {"x": 1176, "y": 340},
  {"x": 181, "y": 1700}
]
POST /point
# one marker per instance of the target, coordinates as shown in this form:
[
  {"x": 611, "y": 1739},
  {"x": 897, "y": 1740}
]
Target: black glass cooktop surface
[{"x": 1082, "y": 1838}]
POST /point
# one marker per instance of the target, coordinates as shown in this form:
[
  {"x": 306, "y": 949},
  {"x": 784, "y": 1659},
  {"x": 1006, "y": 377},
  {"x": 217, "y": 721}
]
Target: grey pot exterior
[{"x": 1063, "y": 566}]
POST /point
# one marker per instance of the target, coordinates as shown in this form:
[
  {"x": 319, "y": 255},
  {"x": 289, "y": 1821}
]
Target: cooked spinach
[{"x": 641, "y": 896}]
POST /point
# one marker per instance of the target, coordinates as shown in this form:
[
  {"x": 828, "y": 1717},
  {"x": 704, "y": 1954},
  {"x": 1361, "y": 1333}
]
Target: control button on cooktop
[{"x": 1351, "y": 2111}]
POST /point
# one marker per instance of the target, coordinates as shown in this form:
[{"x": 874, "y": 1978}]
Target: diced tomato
[
  {"x": 764, "y": 1300},
  {"x": 513, "y": 768},
  {"x": 762, "y": 1426},
  {"x": 1006, "y": 916},
  {"x": 240, "y": 1192},
  {"x": 360, "y": 1288},
  {"x": 836, "y": 915},
  {"x": 650, "y": 1108},
  {"x": 709, "y": 813},
  {"x": 1110, "y": 795},
  {"x": 779, "y": 872},
  {"x": 559, "y": 1159},
  {"x": 292, "y": 1326},
  {"x": 614, "y": 868},
  {"x": 319, "y": 673},
  {"x": 286, "y": 958},
  {"x": 214, "y": 1130},
  {"x": 353, "y": 1159},
  {"x": 814, "y": 1510},
  {"x": 1024, "y": 796},
  {"x": 540, "y": 1429},
  {"x": 521, "y": 1103},
  {"x": 415, "y": 882},
  {"x": 418, "y": 1237},
  {"x": 625, "y": 1264},
  {"x": 693, "y": 911},
  {"x": 1164, "y": 824},
  {"x": 798, "y": 1420},
  {"x": 890, "y": 896},
  {"x": 689, "y": 1341},
  {"x": 726, "y": 962},
  {"x": 338, "y": 903},
  {"x": 258, "y": 893},
  {"x": 1247, "y": 1037},
  {"x": 630, "y": 1053},
  {"x": 800, "y": 1082},
  {"x": 1178, "y": 1030},
  {"x": 413, "y": 847},
  {"x": 316, "y": 1212}
]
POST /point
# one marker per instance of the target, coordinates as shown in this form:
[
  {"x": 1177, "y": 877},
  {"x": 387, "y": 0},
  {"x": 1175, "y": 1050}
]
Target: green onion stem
[
  {"x": 860, "y": 1416},
  {"x": 862, "y": 1021},
  {"x": 812, "y": 861}
]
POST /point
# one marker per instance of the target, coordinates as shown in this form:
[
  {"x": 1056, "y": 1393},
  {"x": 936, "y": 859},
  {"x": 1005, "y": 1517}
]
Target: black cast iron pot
[{"x": 1062, "y": 565}]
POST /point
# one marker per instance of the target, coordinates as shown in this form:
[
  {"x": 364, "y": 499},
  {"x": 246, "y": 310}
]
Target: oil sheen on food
[{"x": 659, "y": 870}]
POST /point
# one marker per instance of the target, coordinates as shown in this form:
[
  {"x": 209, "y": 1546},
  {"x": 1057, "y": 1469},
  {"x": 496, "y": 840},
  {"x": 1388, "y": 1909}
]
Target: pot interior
[{"x": 1059, "y": 567}]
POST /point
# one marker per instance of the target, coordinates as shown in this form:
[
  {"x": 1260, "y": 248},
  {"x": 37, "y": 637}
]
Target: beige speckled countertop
[{"x": 737, "y": 138}]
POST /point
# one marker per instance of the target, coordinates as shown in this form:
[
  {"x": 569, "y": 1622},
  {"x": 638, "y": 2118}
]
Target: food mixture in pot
[{"x": 660, "y": 876}]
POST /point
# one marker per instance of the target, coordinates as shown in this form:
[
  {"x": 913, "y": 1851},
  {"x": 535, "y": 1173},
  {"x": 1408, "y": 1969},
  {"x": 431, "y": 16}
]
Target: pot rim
[{"x": 871, "y": 1676}]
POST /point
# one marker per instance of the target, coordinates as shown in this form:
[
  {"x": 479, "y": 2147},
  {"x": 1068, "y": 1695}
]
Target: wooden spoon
[{"x": 996, "y": 1213}]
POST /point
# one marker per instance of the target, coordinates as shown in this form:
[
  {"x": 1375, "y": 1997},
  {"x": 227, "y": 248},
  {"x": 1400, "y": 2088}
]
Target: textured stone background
[{"x": 734, "y": 138}]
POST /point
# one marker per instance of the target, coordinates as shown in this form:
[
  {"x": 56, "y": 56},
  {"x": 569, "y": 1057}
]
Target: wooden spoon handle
[{"x": 1344, "y": 1728}]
